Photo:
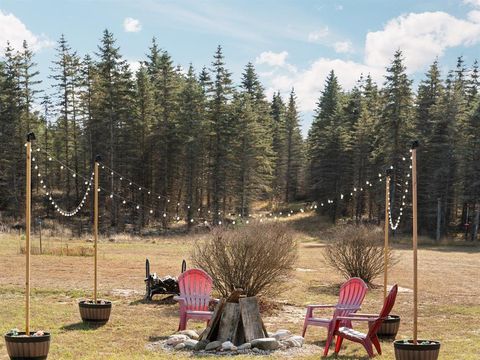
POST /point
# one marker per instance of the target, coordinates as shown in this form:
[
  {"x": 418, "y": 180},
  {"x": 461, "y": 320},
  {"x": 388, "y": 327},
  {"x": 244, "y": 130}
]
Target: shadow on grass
[
  {"x": 325, "y": 289},
  {"x": 154, "y": 338},
  {"x": 310, "y": 225},
  {"x": 169, "y": 300},
  {"x": 81, "y": 326}
]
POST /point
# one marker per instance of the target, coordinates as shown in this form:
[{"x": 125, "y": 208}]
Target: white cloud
[
  {"x": 339, "y": 7},
  {"x": 343, "y": 47},
  {"x": 472, "y": 2},
  {"x": 14, "y": 30},
  {"x": 271, "y": 58},
  {"x": 309, "y": 82},
  {"x": 131, "y": 25},
  {"x": 422, "y": 37},
  {"x": 134, "y": 65},
  {"x": 474, "y": 16},
  {"x": 317, "y": 35}
]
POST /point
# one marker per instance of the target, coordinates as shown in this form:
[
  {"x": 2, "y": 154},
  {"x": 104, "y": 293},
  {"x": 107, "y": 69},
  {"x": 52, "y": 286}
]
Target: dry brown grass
[
  {"x": 449, "y": 306},
  {"x": 62, "y": 250}
]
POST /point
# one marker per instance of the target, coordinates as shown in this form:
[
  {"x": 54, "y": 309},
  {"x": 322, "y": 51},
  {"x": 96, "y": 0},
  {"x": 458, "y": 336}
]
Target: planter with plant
[
  {"x": 415, "y": 349},
  {"x": 27, "y": 344},
  {"x": 95, "y": 311}
]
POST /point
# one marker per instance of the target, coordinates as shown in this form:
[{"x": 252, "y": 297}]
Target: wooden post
[
  {"x": 415, "y": 241},
  {"x": 40, "y": 224},
  {"x": 95, "y": 228},
  {"x": 439, "y": 219},
  {"x": 385, "y": 250},
  {"x": 28, "y": 214}
]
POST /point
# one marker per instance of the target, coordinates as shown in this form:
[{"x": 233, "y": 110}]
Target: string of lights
[
  {"x": 395, "y": 225},
  {"x": 237, "y": 218},
  {"x": 49, "y": 194}
]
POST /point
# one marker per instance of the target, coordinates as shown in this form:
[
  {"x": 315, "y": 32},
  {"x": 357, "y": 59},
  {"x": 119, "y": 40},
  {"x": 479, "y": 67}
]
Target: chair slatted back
[
  {"x": 387, "y": 307},
  {"x": 352, "y": 294},
  {"x": 195, "y": 287}
]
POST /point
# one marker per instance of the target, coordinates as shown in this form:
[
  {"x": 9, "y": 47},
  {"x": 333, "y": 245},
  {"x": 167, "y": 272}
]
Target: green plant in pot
[
  {"x": 24, "y": 345},
  {"x": 95, "y": 311},
  {"x": 414, "y": 348}
]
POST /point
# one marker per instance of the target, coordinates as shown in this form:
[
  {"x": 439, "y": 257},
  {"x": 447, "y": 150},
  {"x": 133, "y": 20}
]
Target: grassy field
[{"x": 449, "y": 299}]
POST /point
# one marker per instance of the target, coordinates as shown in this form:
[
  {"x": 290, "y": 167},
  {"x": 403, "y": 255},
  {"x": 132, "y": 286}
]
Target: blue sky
[{"x": 292, "y": 43}]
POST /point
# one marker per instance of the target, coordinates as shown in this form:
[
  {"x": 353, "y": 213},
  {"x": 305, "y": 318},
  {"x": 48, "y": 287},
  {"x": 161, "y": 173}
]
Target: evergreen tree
[
  {"x": 294, "y": 150},
  {"x": 431, "y": 130},
  {"x": 192, "y": 132},
  {"x": 326, "y": 144},
  {"x": 395, "y": 127},
  {"x": 279, "y": 148},
  {"x": 221, "y": 122},
  {"x": 11, "y": 136},
  {"x": 253, "y": 152},
  {"x": 113, "y": 100}
]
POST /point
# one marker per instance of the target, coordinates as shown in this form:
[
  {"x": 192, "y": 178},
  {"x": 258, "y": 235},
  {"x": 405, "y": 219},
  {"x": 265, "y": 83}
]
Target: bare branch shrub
[
  {"x": 357, "y": 251},
  {"x": 255, "y": 258}
]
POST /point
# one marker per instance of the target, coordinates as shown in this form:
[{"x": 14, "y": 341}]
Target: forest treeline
[{"x": 209, "y": 147}]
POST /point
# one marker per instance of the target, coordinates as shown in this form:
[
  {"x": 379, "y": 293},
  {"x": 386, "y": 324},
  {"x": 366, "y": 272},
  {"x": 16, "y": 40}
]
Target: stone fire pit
[{"x": 282, "y": 342}]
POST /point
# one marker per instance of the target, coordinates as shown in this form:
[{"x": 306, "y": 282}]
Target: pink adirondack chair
[
  {"x": 350, "y": 299},
  {"x": 195, "y": 290},
  {"x": 369, "y": 339}
]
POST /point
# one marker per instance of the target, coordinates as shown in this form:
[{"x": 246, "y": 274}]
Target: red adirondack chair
[
  {"x": 195, "y": 289},
  {"x": 369, "y": 339},
  {"x": 350, "y": 299}
]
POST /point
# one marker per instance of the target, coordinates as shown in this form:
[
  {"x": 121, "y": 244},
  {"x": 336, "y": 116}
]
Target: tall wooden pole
[
  {"x": 415, "y": 241},
  {"x": 385, "y": 250},
  {"x": 95, "y": 229},
  {"x": 28, "y": 214}
]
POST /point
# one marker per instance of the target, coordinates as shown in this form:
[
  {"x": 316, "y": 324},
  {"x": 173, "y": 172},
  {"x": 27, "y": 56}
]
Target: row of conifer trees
[{"x": 209, "y": 147}]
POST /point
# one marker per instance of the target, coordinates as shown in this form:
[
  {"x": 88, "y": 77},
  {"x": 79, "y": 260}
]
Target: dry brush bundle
[
  {"x": 256, "y": 258},
  {"x": 357, "y": 251}
]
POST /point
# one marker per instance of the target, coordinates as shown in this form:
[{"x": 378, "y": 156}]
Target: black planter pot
[
  {"x": 389, "y": 328},
  {"x": 410, "y": 351},
  {"x": 98, "y": 313},
  {"x": 27, "y": 347}
]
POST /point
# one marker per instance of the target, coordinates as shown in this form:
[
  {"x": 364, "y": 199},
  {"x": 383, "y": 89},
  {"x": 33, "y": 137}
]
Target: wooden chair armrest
[
  {"x": 366, "y": 315},
  {"x": 321, "y": 306},
  {"x": 353, "y": 308},
  {"x": 354, "y": 318}
]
